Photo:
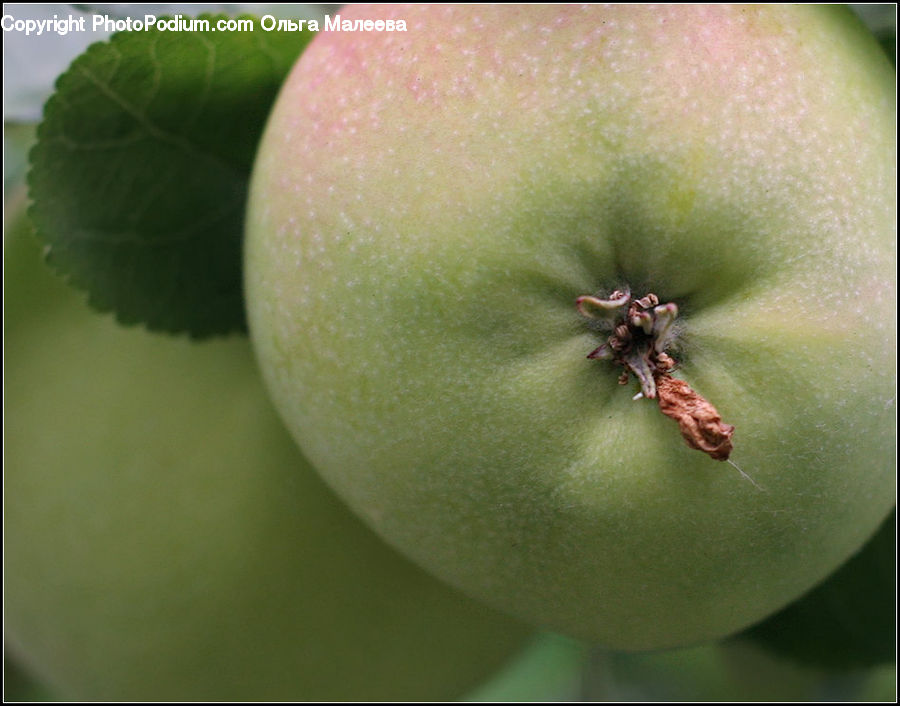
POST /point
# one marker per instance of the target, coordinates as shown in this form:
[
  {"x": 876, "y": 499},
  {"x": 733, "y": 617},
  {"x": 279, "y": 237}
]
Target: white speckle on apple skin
[{"x": 736, "y": 160}]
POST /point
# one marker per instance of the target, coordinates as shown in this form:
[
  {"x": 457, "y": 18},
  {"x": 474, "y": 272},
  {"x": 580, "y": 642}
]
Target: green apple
[
  {"x": 164, "y": 539},
  {"x": 426, "y": 208}
]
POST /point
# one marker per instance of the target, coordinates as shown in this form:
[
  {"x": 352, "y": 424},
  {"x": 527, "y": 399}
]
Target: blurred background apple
[{"x": 165, "y": 540}]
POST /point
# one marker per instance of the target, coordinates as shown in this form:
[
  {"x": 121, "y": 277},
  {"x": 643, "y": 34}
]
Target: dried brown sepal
[
  {"x": 699, "y": 422},
  {"x": 640, "y": 331}
]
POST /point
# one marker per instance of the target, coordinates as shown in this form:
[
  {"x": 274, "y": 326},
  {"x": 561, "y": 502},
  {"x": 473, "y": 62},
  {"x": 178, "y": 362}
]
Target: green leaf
[
  {"x": 549, "y": 669},
  {"x": 847, "y": 622},
  {"x": 140, "y": 172}
]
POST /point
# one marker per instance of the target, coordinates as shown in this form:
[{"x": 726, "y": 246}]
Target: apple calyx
[{"x": 640, "y": 332}]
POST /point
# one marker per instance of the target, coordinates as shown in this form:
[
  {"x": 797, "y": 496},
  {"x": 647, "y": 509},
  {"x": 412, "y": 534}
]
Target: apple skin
[
  {"x": 165, "y": 540},
  {"x": 427, "y": 206}
]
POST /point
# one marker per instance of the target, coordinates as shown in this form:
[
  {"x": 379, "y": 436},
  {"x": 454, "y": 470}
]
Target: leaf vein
[{"x": 154, "y": 130}]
